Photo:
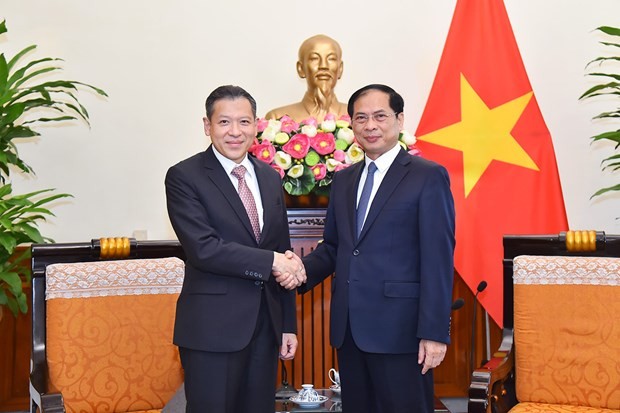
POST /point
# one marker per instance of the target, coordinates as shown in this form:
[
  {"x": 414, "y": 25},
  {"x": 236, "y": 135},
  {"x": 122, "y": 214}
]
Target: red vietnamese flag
[{"x": 482, "y": 122}]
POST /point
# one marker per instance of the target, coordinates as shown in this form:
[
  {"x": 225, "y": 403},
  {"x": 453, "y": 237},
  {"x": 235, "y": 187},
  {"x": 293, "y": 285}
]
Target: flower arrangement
[{"x": 307, "y": 154}]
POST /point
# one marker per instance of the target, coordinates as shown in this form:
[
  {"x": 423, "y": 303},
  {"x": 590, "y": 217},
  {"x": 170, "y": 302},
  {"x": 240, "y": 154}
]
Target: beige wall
[{"x": 159, "y": 59}]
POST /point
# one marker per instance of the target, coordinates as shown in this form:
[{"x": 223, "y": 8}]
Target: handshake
[{"x": 288, "y": 270}]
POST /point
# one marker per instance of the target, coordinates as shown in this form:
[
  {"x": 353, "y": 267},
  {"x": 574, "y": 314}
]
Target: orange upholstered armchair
[
  {"x": 103, "y": 315},
  {"x": 560, "y": 350}
]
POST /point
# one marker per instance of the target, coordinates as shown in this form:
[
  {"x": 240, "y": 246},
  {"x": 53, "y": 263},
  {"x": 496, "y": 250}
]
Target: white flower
[
  {"x": 296, "y": 171},
  {"x": 328, "y": 125},
  {"x": 331, "y": 164},
  {"x": 407, "y": 138},
  {"x": 309, "y": 130},
  {"x": 275, "y": 125},
  {"x": 346, "y": 135},
  {"x": 269, "y": 134},
  {"x": 283, "y": 160},
  {"x": 354, "y": 154}
]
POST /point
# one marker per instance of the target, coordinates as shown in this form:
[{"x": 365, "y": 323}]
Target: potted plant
[
  {"x": 27, "y": 97},
  {"x": 609, "y": 86}
]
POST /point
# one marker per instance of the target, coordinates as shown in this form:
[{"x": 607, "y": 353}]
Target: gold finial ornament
[
  {"x": 320, "y": 63},
  {"x": 115, "y": 247},
  {"x": 581, "y": 241}
]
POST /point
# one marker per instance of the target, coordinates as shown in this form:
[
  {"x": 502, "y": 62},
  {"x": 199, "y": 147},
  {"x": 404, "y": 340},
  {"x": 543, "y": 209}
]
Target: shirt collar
[
  {"x": 384, "y": 161},
  {"x": 229, "y": 165}
]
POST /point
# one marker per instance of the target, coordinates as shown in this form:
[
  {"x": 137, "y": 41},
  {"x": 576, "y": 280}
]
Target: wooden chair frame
[{"x": 492, "y": 387}]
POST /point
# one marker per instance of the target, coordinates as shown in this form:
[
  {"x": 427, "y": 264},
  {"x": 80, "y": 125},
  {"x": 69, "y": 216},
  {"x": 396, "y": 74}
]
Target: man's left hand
[{"x": 289, "y": 346}]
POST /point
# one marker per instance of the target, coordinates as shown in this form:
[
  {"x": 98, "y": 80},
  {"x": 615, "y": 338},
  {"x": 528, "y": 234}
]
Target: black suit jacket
[
  {"x": 226, "y": 269},
  {"x": 393, "y": 284}
]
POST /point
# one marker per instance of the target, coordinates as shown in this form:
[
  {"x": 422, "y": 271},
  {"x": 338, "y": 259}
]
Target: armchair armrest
[
  {"x": 39, "y": 396},
  {"x": 492, "y": 387}
]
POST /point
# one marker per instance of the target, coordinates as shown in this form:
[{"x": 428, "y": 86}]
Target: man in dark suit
[
  {"x": 228, "y": 212},
  {"x": 391, "y": 247}
]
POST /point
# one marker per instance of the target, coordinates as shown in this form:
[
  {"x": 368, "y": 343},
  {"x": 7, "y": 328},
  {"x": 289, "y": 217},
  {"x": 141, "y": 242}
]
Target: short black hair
[
  {"x": 228, "y": 92},
  {"x": 396, "y": 101}
]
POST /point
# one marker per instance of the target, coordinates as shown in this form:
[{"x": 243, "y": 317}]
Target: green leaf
[
  {"x": 12, "y": 113},
  {"x": 302, "y": 185},
  {"x": 7, "y": 241},
  {"x": 605, "y": 190},
  {"x": 4, "y": 74},
  {"x": 22, "y": 303},
  {"x": 596, "y": 88},
  {"x": 603, "y": 59},
  {"x": 613, "y": 31},
  {"x": 56, "y": 119},
  {"x": 5, "y": 190},
  {"x": 613, "y": 136},
  {"x": 100, "y": 92},
  {"x": 13, "y": 280},
  {"x": 610, "y": 44},
  {"x": 21, "y": 54},
  {"x": 31, "y": 233},
  {"x": 612, "y": 75},
  {"x": 3, "y": 26},
  {"x": 604, "y": 115},
  {"x": 17, "y": 81}
]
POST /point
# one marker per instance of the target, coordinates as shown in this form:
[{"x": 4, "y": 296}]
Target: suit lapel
[
  {"x": 217, "y": 174},
  {"x": 394, "y": 175}
]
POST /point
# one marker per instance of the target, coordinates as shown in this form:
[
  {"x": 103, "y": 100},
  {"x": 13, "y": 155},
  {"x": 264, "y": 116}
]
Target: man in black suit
[
  {"x": 228, "y": 212},
  {"x": 391, "y": 247}
]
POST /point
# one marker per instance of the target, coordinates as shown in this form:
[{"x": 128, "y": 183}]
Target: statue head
[{"x": 320, "y": 63}]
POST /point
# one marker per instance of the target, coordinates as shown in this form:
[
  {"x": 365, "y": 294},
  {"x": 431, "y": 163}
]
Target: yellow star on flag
[{"x": 483, "y": 135}]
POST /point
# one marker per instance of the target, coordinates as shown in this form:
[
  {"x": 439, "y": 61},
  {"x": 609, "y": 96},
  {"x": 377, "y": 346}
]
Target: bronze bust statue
[{"x": 320, "y": 63}]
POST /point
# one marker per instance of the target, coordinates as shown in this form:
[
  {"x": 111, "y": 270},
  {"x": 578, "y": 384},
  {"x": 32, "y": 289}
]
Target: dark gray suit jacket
[{"x": 225, "y": 270}]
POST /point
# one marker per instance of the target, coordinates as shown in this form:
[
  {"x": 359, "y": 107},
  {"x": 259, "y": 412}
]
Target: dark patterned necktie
[{"x": 248, "y": 200}]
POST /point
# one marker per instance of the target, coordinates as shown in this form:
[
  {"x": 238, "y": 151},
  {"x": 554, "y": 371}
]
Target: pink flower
[
  {"x": 339, "y": 155},
  {"x": 262, "y": 124},
  {"x": 323, "y": 143},
  {"x": 319, "y": 170},
  {"x": 253, "y": 147},
  {"x": 278, "y": 169},
  {"x": 345, "y": 118},
  {"x": 310, "y": 121},
  {"x": 265, "y": 151},
  {"x": 341, "y": 166},
  {"x": 415, "y": 151},
  {"x": 298, "y": 146},
  {"x": 288, "y": 124},
  {"x": 330, "y": 116}
]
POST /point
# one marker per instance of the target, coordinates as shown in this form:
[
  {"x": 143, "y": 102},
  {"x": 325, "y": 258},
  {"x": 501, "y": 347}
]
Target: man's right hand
[{"x": 288, "y": 270}]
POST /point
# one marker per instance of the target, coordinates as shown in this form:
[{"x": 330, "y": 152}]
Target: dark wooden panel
[{"x": 15, "y": 341}]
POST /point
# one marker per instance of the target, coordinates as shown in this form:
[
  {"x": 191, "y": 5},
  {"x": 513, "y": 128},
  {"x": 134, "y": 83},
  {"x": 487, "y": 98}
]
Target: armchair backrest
[
  {"x": 103, "y": 316},
  {"x": 567, "y": 330}
]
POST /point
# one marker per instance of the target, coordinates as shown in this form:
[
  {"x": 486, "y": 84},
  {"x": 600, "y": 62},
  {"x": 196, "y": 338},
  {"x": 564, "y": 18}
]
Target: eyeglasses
[{"x": 380, "y": 117}]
